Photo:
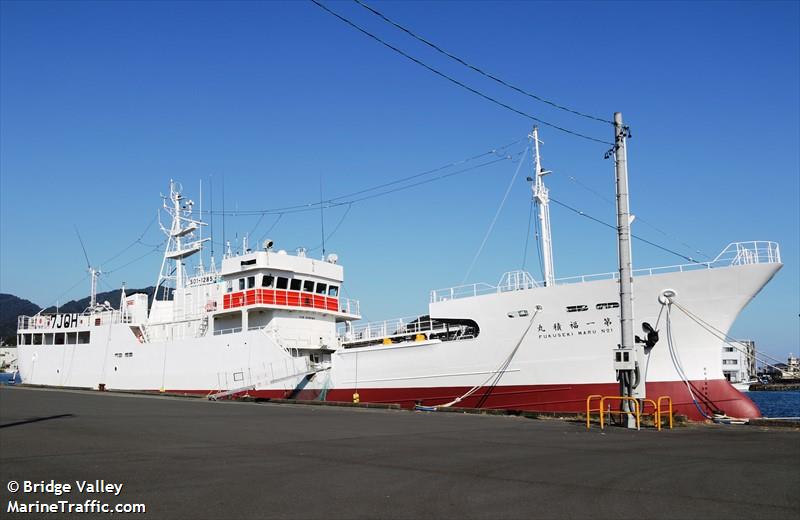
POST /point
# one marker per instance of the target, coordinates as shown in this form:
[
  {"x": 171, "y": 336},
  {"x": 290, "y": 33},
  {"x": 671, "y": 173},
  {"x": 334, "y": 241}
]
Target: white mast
[
  {"x": 200, "y": 231},
  {"x": 94, "y": 273},
  {"x": 540, "y": 195},
  {"x": 177, "y": 250}
]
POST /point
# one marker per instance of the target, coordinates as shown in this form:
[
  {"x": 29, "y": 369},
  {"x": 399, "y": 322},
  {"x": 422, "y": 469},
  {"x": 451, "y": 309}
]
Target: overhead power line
[
  {"x": 457, "y": 82},
  {"x": 478, "y": 69}
]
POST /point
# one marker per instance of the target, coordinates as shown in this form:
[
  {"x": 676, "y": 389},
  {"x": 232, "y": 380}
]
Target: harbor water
[{"x": 777, "y": 404}]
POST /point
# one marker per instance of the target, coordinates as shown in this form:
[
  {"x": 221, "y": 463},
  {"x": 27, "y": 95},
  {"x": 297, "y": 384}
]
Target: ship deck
[{"x": 190, "y": 458}]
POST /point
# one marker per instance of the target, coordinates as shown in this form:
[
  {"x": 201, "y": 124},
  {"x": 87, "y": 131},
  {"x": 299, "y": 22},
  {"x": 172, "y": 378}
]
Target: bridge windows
[
  {"x": 333, "y": 290},
  {"x": 251, "y": 282},
  {"x": 268, "y": 280},
  {"x": 321, "y": 288},
  {"x": 241, "y": 284},
  {"x": 297, "y": 283},
  {"x": 308, "y": 286},
  {"x": 282, "y": 283}
]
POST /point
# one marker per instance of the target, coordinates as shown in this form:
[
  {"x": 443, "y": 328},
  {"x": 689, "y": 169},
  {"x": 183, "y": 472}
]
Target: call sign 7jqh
[{"x": 63, "y": 321}]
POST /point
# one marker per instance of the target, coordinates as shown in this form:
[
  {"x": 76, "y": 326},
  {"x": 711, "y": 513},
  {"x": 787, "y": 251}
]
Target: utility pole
[{"x": 626, "y": 357}]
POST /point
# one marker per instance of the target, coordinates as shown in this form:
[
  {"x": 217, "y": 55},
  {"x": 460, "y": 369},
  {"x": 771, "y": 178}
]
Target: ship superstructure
[{"x": 263, "y": 318}]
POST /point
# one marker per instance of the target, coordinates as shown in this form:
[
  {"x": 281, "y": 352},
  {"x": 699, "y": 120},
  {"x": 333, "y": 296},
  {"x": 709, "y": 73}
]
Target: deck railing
[
  {"x": 349, "y": 306},
  {"x": 63, "y": 321},
  {"x": 386, "y": 328},
  {"x": 735, "y": 253}
]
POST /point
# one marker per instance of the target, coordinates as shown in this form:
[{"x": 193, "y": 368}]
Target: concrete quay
[{"x": 191, "y": 458}]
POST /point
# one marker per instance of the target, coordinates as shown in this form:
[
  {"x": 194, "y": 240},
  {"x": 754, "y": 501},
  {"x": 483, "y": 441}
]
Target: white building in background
[{"x": 738, "y": 366}]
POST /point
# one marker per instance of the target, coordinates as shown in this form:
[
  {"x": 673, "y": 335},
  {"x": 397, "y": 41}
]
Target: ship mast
[
  {"x": 179, "y": 235},
  {"x": 94, "y": 273},
  {"x": 542, "y": 198}
]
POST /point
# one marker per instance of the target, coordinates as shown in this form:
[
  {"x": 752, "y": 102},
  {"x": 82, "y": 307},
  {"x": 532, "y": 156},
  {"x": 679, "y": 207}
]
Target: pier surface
[{"x": 190, "y": 458}]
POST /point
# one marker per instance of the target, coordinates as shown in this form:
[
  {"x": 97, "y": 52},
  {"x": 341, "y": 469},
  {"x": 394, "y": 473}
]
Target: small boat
[{"x": 744, "y": 386}]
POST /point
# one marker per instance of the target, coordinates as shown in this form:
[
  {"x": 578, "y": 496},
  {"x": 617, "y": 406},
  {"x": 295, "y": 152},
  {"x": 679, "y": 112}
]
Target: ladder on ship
[
  {"x": 203, "y": 328},
  {"x": 304, "y": 375}
]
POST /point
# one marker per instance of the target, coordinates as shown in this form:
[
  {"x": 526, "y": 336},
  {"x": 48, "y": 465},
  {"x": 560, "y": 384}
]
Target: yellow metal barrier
[
  {"x": 659, "y": 409},
  {"x": 659, "y": 412},
  {"x": 621, "y": 398},
  {"x": 589, "y": 410}
]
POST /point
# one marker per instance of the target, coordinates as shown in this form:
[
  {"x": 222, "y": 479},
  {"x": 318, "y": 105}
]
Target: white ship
[{"x": 274, "y": 325}]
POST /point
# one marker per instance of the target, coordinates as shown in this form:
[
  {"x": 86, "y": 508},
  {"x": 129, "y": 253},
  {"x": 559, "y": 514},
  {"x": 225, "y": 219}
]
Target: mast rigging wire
[
  {"x": 457, "y": 82},
  {"x": 155, "y": 249},
  {"x": 496, "y": 374},
  {"x": 493, "y": 151},
  {"x": 676, "y": 362},
  {"x": 331, "y": 203},
  {"x": 639, "y": 218},
  {"x": 477, "y": 69},
  {"x": 137, "y": 241},
  {"x": 606, "y": 224},
  {"x": 267, "y": 232},
  {"x": 313, "y": 205},
  {"x": 57, "y": 298},
  {"x": 496, "y": 215},
  {"x": 723, "y": 336},
  {"x": 335, "y": 229}
]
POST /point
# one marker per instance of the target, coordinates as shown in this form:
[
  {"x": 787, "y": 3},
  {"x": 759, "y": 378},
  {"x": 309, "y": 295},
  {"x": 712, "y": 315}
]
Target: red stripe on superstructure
[
  {"x": 536, "y": 398},
  {"x": 332, "y": 304},
  {"x": 280, "y": 297}
]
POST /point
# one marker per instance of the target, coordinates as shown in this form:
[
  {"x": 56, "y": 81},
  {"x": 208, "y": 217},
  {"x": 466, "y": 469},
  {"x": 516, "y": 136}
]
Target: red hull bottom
[{"x": 714, "y": 395}]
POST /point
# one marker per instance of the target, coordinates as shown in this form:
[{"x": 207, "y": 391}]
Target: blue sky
[{"x": 101, "y": 103}]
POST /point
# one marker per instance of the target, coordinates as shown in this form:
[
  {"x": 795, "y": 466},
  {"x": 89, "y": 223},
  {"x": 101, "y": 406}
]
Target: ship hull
[
  {"x": 563, "y": 357},
  {"x": 547, "y": 398},
  {"x": 553, "y": 399}
]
